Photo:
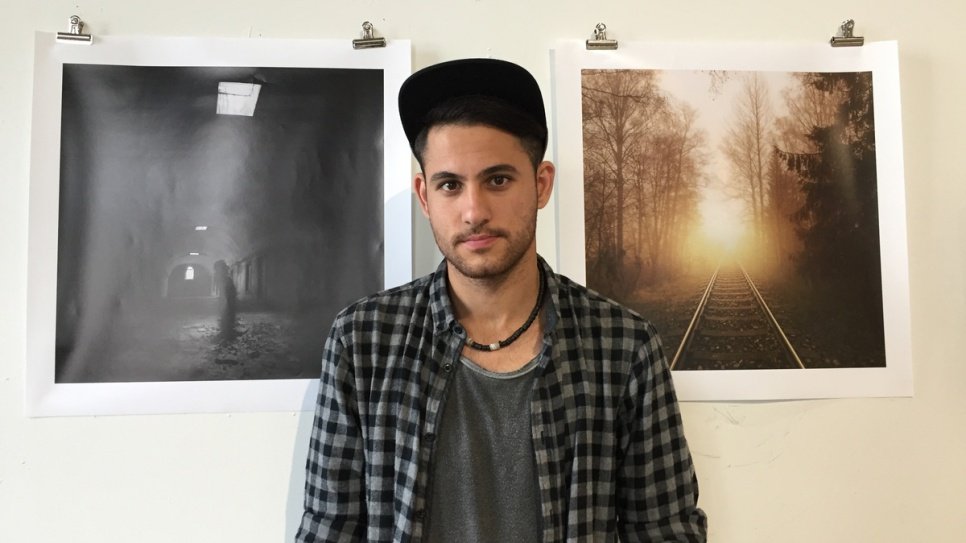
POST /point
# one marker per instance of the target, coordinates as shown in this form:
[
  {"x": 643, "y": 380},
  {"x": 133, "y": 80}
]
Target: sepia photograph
[
  {"x": 747, "y": 201},
  {"x": 738, "y": 211}
]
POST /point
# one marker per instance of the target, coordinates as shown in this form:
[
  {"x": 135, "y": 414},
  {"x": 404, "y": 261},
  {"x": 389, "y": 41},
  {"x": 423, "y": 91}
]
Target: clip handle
[
  {"x": 368, "y": 41},
  {"x": 600, "y": 40},
  {"x": 844, "y": 37},
  {"x": 75, "y": 32}
]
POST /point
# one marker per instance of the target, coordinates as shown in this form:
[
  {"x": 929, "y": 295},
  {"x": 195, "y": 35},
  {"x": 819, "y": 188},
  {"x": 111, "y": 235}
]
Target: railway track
[{"x": 733, "y": 328}]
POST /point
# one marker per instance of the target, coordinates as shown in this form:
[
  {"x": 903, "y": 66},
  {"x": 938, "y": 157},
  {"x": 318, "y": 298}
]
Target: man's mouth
[{"x": 478, "y": 241}]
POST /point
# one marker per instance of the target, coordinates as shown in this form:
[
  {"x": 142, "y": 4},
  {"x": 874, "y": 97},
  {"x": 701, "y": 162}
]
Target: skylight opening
[{"x": 237, "y": 98}]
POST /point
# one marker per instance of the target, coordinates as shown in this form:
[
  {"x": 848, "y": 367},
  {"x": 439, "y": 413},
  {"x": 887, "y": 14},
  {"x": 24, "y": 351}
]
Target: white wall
[{"x": 883, "y": 470}]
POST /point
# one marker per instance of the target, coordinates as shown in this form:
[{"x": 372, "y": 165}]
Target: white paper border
[
  {"x": 42, "y": 396},
  {"x": 881, "y": 58}
]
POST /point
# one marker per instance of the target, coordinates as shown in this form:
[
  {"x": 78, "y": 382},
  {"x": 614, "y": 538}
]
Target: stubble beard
[{"x": 496, "y": 262}]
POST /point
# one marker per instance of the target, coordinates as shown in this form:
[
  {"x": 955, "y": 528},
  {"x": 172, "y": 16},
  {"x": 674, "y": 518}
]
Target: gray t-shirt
[{"x": 483, "y": 482}]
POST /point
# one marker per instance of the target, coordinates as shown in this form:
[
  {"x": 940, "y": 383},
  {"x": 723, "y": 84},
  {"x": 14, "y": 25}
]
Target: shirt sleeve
[
  {"x": 334, "y": 478},
  {"x": 657, "y": 486}
]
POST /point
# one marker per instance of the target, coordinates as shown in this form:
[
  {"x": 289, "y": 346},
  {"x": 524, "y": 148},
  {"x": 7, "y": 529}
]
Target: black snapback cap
[{"x": 434, "y": 85}]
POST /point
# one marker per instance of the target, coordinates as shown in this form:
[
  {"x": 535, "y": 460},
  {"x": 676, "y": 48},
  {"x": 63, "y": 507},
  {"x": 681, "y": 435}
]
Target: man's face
[{"x": 481, "y": 196}]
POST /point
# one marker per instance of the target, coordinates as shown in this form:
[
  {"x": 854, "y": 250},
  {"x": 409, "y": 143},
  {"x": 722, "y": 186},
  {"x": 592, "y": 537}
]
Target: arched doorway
[{"x": 189, "y": 281}]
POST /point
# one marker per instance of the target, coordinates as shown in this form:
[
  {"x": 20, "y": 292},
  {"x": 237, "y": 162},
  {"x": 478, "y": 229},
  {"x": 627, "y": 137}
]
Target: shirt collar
[{"x": 441, "y": 305}]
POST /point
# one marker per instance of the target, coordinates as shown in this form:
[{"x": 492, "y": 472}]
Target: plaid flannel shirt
[{"x": 610, "y": 449}]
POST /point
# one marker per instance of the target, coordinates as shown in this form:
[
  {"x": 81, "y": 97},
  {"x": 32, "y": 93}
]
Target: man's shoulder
[
  {"x": 587, "y": 308},
  {"x": 588, "y": 301},
  {"x": 397, "y": 302}
]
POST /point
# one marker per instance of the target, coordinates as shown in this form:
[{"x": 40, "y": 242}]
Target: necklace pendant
[{"x": 519, "y": 331}]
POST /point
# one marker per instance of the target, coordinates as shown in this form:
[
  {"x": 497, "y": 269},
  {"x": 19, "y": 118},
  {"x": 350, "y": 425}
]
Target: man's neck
[{"x": 494, "y": 307}]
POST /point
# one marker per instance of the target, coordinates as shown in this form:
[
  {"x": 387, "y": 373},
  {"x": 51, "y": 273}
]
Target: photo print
[
  {"x": 211, "y": 220},
  {"x": 738, "y": 210},
  {"x": 197, "y": 241}
]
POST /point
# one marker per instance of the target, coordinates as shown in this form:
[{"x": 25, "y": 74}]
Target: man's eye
[
  {"x": 449, "y": 186},
  {"x": 499, "y": 181}
]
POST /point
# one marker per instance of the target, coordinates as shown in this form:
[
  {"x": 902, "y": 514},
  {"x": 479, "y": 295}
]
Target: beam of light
[{"x": 722, "y": 221}]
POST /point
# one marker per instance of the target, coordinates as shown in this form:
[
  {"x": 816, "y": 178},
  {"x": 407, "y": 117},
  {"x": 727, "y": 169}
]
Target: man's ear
[
  {"x": 420, "y": 188},
  {"x": 546, "y": 173}
]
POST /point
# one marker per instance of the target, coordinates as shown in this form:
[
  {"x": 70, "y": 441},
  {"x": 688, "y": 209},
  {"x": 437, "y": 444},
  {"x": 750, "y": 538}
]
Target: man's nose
[{"x": 476, "y": 205}]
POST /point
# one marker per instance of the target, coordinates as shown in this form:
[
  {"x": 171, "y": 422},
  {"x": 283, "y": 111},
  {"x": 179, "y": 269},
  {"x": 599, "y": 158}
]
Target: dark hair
[{"x": 487, "y": 111}]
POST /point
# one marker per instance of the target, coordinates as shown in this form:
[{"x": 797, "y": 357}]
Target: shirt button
[
  {"x": 430, "y": 437},
  {"x": 458, "y": 329},
  {"x": 448, "y": 367},
  {"x": 420, "y": 515}
]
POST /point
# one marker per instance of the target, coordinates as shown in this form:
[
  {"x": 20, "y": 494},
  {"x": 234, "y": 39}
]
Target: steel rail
[
  {"x": 693, "y": 325},
  {"x": 772, "y": 320}
]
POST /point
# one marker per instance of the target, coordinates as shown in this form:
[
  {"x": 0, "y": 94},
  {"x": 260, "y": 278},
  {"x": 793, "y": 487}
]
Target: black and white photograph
[
  {"x": 212, "y": 220},
  {"x": 738, "y": 211}
]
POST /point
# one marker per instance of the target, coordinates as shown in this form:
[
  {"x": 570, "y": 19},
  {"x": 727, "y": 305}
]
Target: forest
[{"x": 794, "y": 163}]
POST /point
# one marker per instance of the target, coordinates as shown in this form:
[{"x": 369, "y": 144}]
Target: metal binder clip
[
  {"x": 367, "y": 41},
  {"x": 73, "y": 34},
  {"x": 844, "y": 38},
  {"x": 600, "y": 40}
]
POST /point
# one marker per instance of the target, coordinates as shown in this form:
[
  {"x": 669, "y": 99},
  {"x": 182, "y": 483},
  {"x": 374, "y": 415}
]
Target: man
[{"x": 493, "y": 400}]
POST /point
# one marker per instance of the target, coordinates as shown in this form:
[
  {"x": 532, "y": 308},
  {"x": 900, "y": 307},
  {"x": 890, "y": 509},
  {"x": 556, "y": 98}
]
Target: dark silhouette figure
[{"x": 228, "y": 302}]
